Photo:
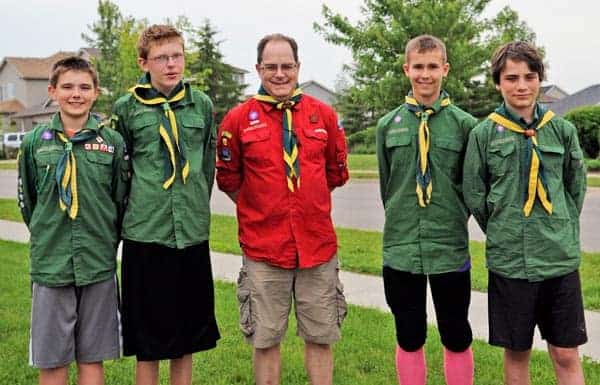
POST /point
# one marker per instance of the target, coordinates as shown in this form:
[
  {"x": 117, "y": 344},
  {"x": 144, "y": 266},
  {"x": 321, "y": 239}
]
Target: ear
[
  {"x": 445, "y": 69},
  {"x": 52, "y": 92},
  {"x": 143, "y": 64},
  {"x": 405, "y": 68},
  {"x": 498, "y": 87},
  {"x": 257, "y": 67}
]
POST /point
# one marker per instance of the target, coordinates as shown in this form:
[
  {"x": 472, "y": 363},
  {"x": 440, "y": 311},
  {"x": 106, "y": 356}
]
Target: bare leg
[
  {"x": 267, "y": 366},
  {"x": 566, "y": 365},
  {"x": 318, "y": 360},
  {"x": 146, "y": 373},
  {"x": 54, "y": 376},
  {"x": 90, "y": 373},
  {"x": 181, "y": 370},
  {"x": 516, "y": 367}
]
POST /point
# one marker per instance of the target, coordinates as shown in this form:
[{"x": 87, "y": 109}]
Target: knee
[
  {"x": 456, "y": 336},
  {"x": 564, "y": 357}
]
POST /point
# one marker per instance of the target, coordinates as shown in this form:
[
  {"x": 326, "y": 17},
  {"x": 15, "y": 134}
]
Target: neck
[
  {"x": 164, "y": 91},
  {"x": 524, "y": 112},
  {"x": 72, "y": 125},
  {"x": 426, "y": 101}
]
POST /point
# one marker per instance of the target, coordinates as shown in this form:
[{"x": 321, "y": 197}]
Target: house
[
  {"x": 319, "y": 91},
  {"x": 238, "y": 74},
  {"x": 589, "y": 96},
  {"x": 550, "y": 94},
  {"x": 24, "y": 89}
]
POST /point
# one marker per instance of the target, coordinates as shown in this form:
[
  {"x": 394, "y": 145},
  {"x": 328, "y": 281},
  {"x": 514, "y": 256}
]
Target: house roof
[
  {"x": 11, "y": 106},
  {"x": 316, "y": 83},
  {"x": 46, "y": 108},
  {"x": 589, "y": 96},
  {"x": 34, "y": 67},
  {"x": 238, "y": 69},
  {"x": 551, "y": 93}
]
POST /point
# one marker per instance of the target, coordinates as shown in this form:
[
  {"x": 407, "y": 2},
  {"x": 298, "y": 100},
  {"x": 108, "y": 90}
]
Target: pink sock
[
  {"x": 458, "y": 367},
  {"x": 410, "y": 367}
]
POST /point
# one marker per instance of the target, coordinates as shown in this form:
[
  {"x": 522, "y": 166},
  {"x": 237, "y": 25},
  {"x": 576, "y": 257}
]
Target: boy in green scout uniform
[
  {"x": 72, "y": 186},
  {"x": 420, "y": 149},
  {"x": 168, "y": 295},
  {"x": 524, "y": 182}
]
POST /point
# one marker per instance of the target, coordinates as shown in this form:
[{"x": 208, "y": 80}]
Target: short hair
[
  {"x": 157, "y": 33},
  {"x": 425, "y": 43},
  {"x": 273, "y": 37},
  {"x": 72, "y": 63},
  {"x": 518, "y": 51}
]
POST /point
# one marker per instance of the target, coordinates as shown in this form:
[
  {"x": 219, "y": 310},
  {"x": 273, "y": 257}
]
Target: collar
[
  {"x": 506, "y": 111},
  {"x": 56, "y": 124}
]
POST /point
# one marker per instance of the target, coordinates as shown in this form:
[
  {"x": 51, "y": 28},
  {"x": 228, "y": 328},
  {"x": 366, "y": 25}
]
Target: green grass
[
  {"x": 360, "y": 252},
  {"x": 365, "y": 355},
  {"x": 593, "y": 181},
  {"x": 365, "y": 162},
  {"x": 8, "y": 165}
]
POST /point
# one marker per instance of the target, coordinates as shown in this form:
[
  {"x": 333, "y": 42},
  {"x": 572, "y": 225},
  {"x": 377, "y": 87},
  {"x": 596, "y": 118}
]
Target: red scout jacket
[{"x": 283, "y": 228}]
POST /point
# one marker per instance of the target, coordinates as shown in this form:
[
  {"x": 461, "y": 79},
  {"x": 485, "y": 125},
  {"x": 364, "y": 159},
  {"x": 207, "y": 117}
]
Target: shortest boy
[{"x": 72, "y": 185}]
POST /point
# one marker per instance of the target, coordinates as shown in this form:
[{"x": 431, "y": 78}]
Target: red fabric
[{"x": 284, "y": 228}]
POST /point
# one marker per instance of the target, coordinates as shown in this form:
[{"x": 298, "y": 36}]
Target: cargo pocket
[
  {"x": 342, "y": 307},
  {"x": 243, "y": 295}
]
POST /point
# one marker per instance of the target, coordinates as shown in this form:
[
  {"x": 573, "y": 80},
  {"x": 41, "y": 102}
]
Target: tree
[
  {"x": 377, "y": 44},
  {"x": 587, "y": 121},
  {"x": 214, "y": 76}
]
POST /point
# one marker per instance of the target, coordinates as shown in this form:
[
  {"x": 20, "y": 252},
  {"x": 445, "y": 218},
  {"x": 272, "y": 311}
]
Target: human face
[
  {"x": 165, "y": 63},
  {"x": 519, "y": 86},
  {"x": 278, "y": 70},
  {"x": 425, "y": 70},
  {"x": 75, "y": 94}
]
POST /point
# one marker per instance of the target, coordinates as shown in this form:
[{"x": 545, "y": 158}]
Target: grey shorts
[
  {"x": 265, "y": 294},
  {"x": 72, "y": 323}
]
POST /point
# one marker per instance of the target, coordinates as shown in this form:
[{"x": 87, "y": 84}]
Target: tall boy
[
  {"x": 524, "y": 182},
  {"x": 72, "y": 185},
  {"x": 420, "y": 149},
  {"x": 168, "y": 295}
]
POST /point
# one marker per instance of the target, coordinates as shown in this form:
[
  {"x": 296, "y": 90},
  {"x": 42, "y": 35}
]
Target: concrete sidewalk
[{"x": 364, "y": 290}]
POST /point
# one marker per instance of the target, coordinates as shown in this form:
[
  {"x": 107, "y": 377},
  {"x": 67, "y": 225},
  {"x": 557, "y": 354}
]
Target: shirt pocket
[
  {"x": 502, "y": 159},
  {"x": 448, "y": 155},
  {"x": 400, "y": 149},
  {"x": 100, "y": 164},
  {"x": 193, "y": 130},
  {"x": 145, "y": 133},
  {"x": 552, "y": 159},
  {"x": 255, "y": 145},
  {"x": 46, "y": 162},
  {"x": 313, "y": 147}
]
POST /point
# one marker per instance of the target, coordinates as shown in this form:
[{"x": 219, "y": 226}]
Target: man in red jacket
[{"x": 281, "y": 153}]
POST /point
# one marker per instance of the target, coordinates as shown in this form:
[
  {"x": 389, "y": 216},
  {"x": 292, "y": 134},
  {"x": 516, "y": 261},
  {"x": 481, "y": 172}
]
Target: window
[{"x": 7, "y": 91}]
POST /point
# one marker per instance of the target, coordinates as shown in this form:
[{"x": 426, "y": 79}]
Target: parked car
[{"x": 11, "y": 141}]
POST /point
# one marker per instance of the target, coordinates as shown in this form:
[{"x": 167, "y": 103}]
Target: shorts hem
[
  {"x": 44, "y": 365},
  {"x": 170, "y": 355},
  {"x": 114, "y": 354},
  {"x": 269, "y": 343},
  {"x": 508, "y": 346}
]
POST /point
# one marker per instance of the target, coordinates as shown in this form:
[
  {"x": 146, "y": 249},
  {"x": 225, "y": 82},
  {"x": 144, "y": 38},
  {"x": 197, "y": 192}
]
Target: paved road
[{"x": 357, "y": 205}]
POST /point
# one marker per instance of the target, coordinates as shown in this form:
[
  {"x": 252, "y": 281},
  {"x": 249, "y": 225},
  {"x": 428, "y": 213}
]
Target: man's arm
[
  {"x": 336, "y": 162},
  {"x": 120, "y": 179},
  {"x": 229, "y": 163},
  {"x": 574, "y": 168},
  {"x": 382, "y": 158},
  {"x": 27, "y": 193},
  {"x": 475, "y": 188},
  {"x": 209, "y": 158}
]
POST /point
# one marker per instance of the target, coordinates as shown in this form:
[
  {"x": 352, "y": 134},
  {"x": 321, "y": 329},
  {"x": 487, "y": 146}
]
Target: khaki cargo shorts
[{"x": 265, "y": 294}]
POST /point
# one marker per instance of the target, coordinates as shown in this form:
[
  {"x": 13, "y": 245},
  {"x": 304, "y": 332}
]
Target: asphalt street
[{"x": 358, "y": 205}]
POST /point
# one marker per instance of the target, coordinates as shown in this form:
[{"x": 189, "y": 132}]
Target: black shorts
[
  {"x": 516, "y": 306},
  {"x": 406, "y": 296},
  {"x": 167, "y": 301}
]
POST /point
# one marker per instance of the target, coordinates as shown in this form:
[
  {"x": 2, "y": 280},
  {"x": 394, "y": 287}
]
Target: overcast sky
[{"x": 569, "y": 30}]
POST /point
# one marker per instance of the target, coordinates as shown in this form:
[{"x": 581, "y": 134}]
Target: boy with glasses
[{"x": 168, "y": 295}]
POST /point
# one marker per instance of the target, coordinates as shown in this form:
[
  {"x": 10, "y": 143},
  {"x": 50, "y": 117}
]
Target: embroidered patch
[
  {"x": 225, "y": 154},
  {"x": 397, "y": 130},
  {"x": 253, "y": 115},
  {"x": 95, "y": 146},
  {"x": 397, "y": 118},
  {"x": 87, "y": 146},
  {"x": 499, "y": 128},
  {"x": 99, "y": 139},
  {"x": 226, "y": 134},
  {"x": 314, "y": 118},
  {"x": 47, "y": 135},
  {"x": 324, "y": 131}
]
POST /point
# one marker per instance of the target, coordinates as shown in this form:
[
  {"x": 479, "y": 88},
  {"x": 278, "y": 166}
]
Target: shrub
[
  {"x": 587, "y": 121},
  {"x": 362, "y": 142}
]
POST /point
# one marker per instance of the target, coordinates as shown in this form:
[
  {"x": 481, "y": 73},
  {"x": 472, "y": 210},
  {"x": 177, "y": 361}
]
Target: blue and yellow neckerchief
[
  {"x": 290, "y": 142},
  {"x": 423, "y": 171},
  {"x": 536, "y": 180},
  {"x": 168, "y": 130},
  {"x": 66, "y": 171}
]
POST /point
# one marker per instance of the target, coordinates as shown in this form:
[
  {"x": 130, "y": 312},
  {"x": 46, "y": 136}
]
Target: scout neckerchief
[
  {"x": 66, "y": 171},
  {"x": 536, "y": 180},
  {"x": 290, "y": 143},
  {"x": 423, "y": 171},
  {"x": 168, "y": 130}
]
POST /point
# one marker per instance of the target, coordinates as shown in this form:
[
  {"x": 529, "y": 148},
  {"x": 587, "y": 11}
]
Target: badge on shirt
[
  {"x": 499, "y": 128},
  {"x": 313, "y": 118},
  {"x": 99, "y": 139},
  {"x": 397, "y": 119},
  {"x": 47, "y": 135},
  {"x": 225, "y": 154}
]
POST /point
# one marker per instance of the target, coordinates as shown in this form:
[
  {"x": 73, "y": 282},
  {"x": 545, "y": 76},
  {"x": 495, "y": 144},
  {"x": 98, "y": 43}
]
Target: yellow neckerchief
[
  {"x": 66, "y": 172},
  {"x": 423, "y": 172},
  {"x": 167, "y": 127},
  {"x": 536, "y": 184},
  {"x": 290, "y": 143}
]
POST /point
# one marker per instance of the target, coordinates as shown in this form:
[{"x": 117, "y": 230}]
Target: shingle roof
[
  {"x": 34, "y": 67},
  {"x": 589, "y": 96},
  {"x": 10, "y": 106},
  {"x": 46, "y": 108}
]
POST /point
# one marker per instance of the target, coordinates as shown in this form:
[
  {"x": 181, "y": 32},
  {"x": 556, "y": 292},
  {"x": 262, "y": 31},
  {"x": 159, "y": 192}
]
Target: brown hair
[
  {"x": 157, "y": 33},
  {"x": 519, "y": 51},
  {"x": 275, "y": 36},
  {"x": 72, "y": 63},
  {"x": 425, "y": 43}
]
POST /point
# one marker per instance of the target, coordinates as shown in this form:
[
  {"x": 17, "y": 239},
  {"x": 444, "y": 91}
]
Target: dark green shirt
[
  {"x": 432, "y": 239},
  {"x": 81, "y": 251},
  {"x": 540, "y": 246},
  {"x": 179, "y": 216}
]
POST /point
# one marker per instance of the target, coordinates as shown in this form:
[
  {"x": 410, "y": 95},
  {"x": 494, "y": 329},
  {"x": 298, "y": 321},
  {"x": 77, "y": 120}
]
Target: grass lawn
[
  {"x": 593, "y": 181},
  {"x": 365, "y": 355},
  {"x": 8, "y": 165},
  {"x": 360, "y": 252}
]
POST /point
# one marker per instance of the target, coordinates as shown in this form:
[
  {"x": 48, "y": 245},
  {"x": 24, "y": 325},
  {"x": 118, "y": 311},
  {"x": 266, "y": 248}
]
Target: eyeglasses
[
  {"x": 164, "y": 59},
  {"x": 286, "y": 68}
]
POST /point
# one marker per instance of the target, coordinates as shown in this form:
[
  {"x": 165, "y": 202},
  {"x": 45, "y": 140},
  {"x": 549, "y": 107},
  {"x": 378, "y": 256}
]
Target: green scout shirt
[
  {"x": 81, "y": 251},
  {"x": 432, "y": 239},
  {"x": 179, "y": 216},
  {"x": 540, "y": 246}
]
